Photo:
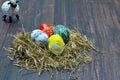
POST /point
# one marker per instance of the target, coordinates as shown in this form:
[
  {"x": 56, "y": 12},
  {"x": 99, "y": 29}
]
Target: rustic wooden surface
[{"x": 97, "y": 19}]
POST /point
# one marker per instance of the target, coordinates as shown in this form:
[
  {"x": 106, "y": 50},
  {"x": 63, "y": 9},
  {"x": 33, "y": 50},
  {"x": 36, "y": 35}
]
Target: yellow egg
[{"x": 56, "y": 44}]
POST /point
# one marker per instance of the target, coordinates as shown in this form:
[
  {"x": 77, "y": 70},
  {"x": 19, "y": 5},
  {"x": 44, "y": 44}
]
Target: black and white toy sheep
[{"x": 9, "y": 9}]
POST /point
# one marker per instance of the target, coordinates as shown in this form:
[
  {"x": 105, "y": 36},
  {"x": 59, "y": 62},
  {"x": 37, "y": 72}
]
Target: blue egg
[
  {"x": 39, "y": 36},
  {"x": 63, "y": 32}
]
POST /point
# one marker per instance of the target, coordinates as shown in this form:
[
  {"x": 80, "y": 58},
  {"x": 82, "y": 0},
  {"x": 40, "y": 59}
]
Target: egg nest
[{"x": 27, "y": 54}]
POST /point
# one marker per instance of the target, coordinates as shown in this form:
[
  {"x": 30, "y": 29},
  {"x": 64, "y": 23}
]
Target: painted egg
[
  {"x": 63, "y": 32},
  {"x": 56, "y": 44},
  {"x": 39, "y": 36},
  {"x": 47, "y": 29}
]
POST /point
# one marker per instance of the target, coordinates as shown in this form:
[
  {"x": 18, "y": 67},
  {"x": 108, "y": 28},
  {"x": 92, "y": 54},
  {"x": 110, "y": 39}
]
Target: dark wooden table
[{"x": 99, "y": 20}]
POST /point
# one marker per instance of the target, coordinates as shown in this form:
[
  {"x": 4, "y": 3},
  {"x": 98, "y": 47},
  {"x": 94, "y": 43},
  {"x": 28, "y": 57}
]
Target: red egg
[{"x": 47, "y": 29}]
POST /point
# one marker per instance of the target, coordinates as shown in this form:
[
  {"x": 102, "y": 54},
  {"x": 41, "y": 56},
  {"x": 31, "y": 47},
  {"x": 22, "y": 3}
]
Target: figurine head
[{"x": 13, "y": 3}]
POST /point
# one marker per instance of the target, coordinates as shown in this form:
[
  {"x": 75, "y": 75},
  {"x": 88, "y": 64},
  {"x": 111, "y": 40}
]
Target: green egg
[{"x": 63, "y": 32}]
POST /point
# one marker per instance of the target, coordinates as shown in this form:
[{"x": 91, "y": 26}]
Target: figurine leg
[
  {"x": 17, "y": 16},
  {"x": 10, "y": 19},
  {"x": 4, "y": 17}
]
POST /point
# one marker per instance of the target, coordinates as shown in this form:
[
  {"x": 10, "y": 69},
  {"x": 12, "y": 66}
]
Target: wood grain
[{"x": 99, "y": 20}]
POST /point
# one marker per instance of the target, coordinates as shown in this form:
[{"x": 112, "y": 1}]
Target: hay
[{"x": 27, "y": 54}]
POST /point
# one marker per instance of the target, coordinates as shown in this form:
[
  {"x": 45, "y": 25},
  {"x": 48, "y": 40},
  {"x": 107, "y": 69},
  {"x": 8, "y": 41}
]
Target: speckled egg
[
  {"x": 47, "y": 29},
  {"x": 63, "y": 32},
  {"x": 56, "y": 44},
  {"x": 39, "y": 36}
]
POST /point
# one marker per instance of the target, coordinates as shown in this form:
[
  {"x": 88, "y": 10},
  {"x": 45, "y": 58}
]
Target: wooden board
[{"x": 99, "y": 20}]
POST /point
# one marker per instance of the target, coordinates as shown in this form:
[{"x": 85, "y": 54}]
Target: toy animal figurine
[{"x": 9, "y": 9}]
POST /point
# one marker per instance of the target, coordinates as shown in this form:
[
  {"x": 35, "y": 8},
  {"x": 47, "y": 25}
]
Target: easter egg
[
  {"x": 39, "y": 36},
  {"x": 63, "y": 32},
  {"x": 46, "y": 28},
  {"x": 56, "y": 44}
]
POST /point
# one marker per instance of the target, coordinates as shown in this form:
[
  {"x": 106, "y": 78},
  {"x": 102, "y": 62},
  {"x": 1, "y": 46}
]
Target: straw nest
[{"x": 27, "y": 54}]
